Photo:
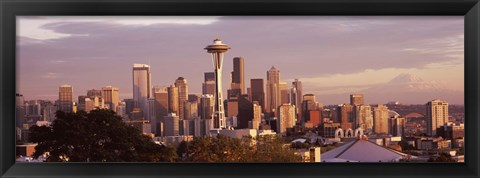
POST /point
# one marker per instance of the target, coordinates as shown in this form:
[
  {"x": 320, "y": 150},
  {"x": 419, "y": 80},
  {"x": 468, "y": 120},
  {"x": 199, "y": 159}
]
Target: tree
[{"x": 98, "y": 136}]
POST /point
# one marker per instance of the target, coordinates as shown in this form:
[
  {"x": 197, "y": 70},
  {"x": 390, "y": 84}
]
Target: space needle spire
[{"x": 217, "y": 50}]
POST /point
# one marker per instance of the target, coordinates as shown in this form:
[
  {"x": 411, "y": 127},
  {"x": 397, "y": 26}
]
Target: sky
[{"x": 409, "y": 59}]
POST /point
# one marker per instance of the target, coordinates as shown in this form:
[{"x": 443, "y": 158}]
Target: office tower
[
  {"x": 65, "y": 98},
  {"x": 232, "y": 108},
  {"x": 122, "y": 111},
  {"x": 136, "y": 114},
  {"x": 284, "y": 93},
  {"x": 257, "y": 92},
  {"x": 129, "y": 106},
  {"x": 141, "y": 87},
  {"x": 49, "y": 110},
  {"x": 208, "y": 87},
  {"x": 161, "y": 102},
  {"x": 273, "y": 89},
  {"x": 94, "y": 103},
  {"x": 206, "y": 106},
  {"x": 171, "y": 125},
  {"x": 380, "y": 119},
  {"x": 356, "y": 99},
  {"x": 33, "y": 107},
  {"x": 309, "y": 103},
  {"x": 94, "y": 93},
  {"x": 19, "y": 110},
  {"x": 173, "y": 106},
  {"x": 111, "y": 97},
  {"x": 397, "y": 126},
  {"x": 193, "y": 98},
  {"x": 363, "y": 117},
  {"x": 181, "y": 84},
  {"x": 238, "y": 74},
  {"x": 217, "y": 51},
  {"x": 245, "y": 112},
  {"x": 346, "y": 115},
  {"x": 437, "y": 115},
  {"x": 257, "y": 115},
  {"x": 314, "y": 118},
  {"x": 154, "y": 122},
  {"x": 81, "y": 102},
  {"x": 286, "y": 118},
  {"x": 297, "y": 96},
  {"x": 191, "y": 110}
]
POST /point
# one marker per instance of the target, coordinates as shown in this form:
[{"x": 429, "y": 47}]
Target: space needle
[{"x": 217, "y": 50}]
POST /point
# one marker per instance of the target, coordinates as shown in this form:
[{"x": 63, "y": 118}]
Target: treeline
[{"x": 102, "y": 136}]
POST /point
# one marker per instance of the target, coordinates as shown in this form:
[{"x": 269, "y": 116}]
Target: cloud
[
  {"x": 300, "y": 47},
  {"x": 50, "y": 76}
]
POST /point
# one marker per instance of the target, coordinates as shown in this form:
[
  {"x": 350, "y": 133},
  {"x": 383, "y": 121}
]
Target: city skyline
[{"x": 418, "y": 64}]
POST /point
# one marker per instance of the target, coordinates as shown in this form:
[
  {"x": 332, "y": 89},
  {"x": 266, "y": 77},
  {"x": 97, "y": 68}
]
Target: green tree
[{"x": 98, "y": 136}]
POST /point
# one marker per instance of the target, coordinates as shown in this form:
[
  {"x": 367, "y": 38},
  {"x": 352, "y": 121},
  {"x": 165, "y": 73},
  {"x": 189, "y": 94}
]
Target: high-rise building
[
  {"x": 181, "y": 84},
  {"x": 273, "y": 89},
  {"x": 173, "y": 106},
  {"x": 356, "y": 99},
  {"x": 33, "y": 107},
  {"x": 397, "y": 126},
  {"x": 346, "y": 115},
  {"x": 94, "y": 103},
  {"x": 171, "y": 125},
  {"x": 49, "y": 110},
  {"x": 65, "y": 98},
  {"x": 142, "y": 86},
  {"x": 437, "y": 115},
  {"x": 363, "y": 117},
  {"x": 297, "y": 96},
  {"x": 309, "y": 103},
  {"x": 111, "y": 97},
  {"x": 122, "y": 111},
  {"x": 217, "y": 51},
  {"x": 286, "y": 118},
  {"x": 191, "y": 110},
  {"x": 380, "y": 119},
  {"x": 206, "y": 106},
  {"x": 208, "y": 86},
  {"x": 238, "y": 73},
  {"x": 161, "y": 102},
  {"x": 19, "y": 110},
  {"x": 284, "y": 93},
  {"x": 94, "y": 93},
  {"x": 257, "y": 115},
  {"x": 81, "y": 102},
  {"x": 257, "y": 92}
]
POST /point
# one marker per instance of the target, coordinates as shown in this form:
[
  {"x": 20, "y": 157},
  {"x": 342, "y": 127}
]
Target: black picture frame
[{"x": 9, "y": 9}]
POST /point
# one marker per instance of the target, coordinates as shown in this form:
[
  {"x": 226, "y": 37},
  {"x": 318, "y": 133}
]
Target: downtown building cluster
[{"x": 171, "y": 114}]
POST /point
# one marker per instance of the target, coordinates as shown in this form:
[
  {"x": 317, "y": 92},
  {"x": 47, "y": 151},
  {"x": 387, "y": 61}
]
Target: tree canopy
[{"x": 97, "y": 136}]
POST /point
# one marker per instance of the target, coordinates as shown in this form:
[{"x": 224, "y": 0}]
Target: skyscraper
[
  {"x": 173, "y": 106},
  {"x": 257, "y": 92},
  {"x": 238, "y": 81},
  {"x": 181, "y": 84},
  {"x": 111, "y": 97},
  {"x": 94, "y": 93},
  {"x": 437, "y": 115},
  {"x": 142, "y": 87},
  {"x": 217, "y": 51},
  {"x": 380, "y": 119},
  {"x": 273, "y": 89},
  {"x": 208, "y": 86},
  {"x": 284, "y": 93},
  {"x": 171, "y": 125},
  {"x": 161, "y": 102},
  {"x": 345, "y": 112},
  {"x": 65, "y": 98},
  {"x": 286, "y": 118},
  {"x": 19, "y": 110},
  {"x": 206, "y": 106},
  {"x": 297, "y": 96},
  {"x": 363, "y": 117},
  {"x": 191, "y": 110},
  {"x": 356, "y": 99},
  {"x": 257, "y": 115}
]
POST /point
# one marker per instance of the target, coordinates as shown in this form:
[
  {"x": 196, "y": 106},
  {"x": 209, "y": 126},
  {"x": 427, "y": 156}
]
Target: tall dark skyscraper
[
  {"x": 273, "y": 89},
  {"x": 257, "y": 91},
  {"x": 297, "y": 96},
  {"x": 208, "y": 86},
  {"x": 182, "y": 85},
  {"x": 65, "y": 98},
  {"x": 238, "y": 81}
]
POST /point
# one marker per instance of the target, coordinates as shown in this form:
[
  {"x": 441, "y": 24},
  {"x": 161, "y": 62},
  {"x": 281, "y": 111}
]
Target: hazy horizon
[{"x": 388, "y": 58}]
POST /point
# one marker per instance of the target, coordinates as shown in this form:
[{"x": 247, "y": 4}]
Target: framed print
[{"x": 239, "y": 88}]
